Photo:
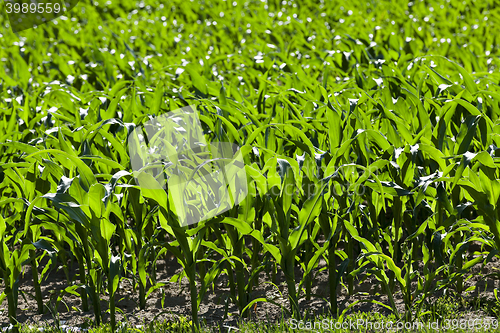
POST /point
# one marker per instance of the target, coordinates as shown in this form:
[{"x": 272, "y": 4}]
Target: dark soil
[{"x": 176, "y": 301}]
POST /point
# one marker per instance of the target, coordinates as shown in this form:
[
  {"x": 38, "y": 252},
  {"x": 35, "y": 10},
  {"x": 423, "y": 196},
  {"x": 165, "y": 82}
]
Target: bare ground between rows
[{"x": 176, "y": 299}]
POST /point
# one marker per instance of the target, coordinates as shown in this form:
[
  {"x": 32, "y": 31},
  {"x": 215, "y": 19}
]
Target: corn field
[{"x": 369, "y": 133}]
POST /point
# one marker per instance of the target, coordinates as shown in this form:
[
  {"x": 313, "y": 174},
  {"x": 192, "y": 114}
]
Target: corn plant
[{"x": 11, "y": 265}]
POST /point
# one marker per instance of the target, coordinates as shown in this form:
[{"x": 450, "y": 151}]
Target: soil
[{"x": 176, "y": 300}]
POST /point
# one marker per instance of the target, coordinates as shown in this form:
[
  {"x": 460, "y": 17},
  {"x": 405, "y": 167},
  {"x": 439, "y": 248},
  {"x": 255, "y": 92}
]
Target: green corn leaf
[
  {"x": 114, "y": 271},
  {"x": 86, "y": 176}
]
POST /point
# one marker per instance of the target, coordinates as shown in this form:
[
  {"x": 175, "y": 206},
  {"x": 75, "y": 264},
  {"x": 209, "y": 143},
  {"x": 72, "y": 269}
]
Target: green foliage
[{"x": 369, "y": 131}]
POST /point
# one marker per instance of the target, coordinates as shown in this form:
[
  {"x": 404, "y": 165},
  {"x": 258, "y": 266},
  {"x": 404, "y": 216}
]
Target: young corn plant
[
  {"x": 484, "y": 192},
  {"x": 24, "y": 180},
  {"x": 332, "y": 230},
  {"x": 290, "y": 239},
  {"x": 231, "y": 246},
  {"x": 14, "y": 253},
  {"x": 101, "y": 231},
  {"x": 186, "y": 245},
  {"x": 379, "y": 260}
]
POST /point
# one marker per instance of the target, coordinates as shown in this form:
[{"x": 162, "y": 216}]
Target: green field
[{"x": 369, "y": 133}]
